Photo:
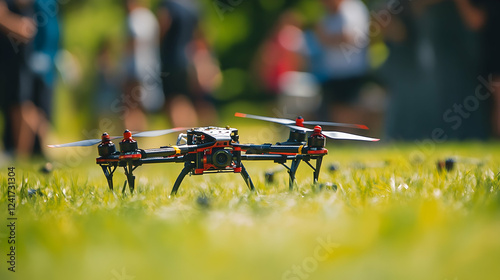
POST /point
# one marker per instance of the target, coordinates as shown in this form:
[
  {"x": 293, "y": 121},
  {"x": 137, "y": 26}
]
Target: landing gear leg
[
  {"x": 292, "y": 171},
  {"x": 108, "y": 172},
  {"x": 317, "y": 169},
  {"x": 129, "y": 168},
  {"x": 188, "y": 166},
  {"x": 247, "y": 179}
]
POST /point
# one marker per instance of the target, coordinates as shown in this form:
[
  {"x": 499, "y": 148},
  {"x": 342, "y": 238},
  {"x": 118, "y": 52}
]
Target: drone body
[{"x": 215, "y": 150}]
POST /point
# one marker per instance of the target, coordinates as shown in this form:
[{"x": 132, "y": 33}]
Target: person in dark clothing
[
  {"x": 27, "y": 81},
  {"x": 178, "y": 23},
  {"x": 17, "y": 29},
  {"x": 182, "y": 24},
  {"x": 184, "y": 63},
  {"x": 484, "y": 16},
  {"x": 430, "y": 71}
]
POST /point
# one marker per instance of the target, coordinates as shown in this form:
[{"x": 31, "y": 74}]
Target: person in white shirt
[
  {"x": 143, "y": 87},
  {"x": 342, "y": 38}
]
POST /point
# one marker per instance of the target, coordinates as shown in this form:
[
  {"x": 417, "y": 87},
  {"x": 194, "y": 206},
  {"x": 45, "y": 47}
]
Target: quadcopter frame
[
  {"x": 212, "y": 150},
  {"x": 217, "y": 150}
]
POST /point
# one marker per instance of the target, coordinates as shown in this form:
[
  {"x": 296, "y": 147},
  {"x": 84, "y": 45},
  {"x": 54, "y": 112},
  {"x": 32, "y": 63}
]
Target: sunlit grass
[{"x": 392, "y": 216}]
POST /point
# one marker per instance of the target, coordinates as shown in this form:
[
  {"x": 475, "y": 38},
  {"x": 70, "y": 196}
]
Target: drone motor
[
  {"x": 106, "y": 147},
  {"x": 128, "y": 144},
  {"x": 316, "y": 140}
]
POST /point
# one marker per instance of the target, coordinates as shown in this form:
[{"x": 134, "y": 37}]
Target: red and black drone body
[{"x": 217, "y": 150}]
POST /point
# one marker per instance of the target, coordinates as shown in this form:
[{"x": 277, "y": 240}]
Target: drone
[{"x": 211, "y": 149}]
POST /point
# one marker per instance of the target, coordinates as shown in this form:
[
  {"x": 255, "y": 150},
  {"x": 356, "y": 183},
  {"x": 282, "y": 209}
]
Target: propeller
[
  {"x": 154, "y": 133},
  {"x": 299, "y": 121},
  {"x": 91, "y": 142},
  {"x": 83, "y": 143},
  {"x": 337, "y": 135}
]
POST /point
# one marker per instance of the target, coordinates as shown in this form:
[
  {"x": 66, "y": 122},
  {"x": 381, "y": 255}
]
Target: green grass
[{"x": 393, "y": 216}]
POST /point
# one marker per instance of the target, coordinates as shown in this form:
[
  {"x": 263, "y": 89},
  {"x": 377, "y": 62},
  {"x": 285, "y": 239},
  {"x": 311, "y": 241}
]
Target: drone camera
[{"x": 222, "y": 158}]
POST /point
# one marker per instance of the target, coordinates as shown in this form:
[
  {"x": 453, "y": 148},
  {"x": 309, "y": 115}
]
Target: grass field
[{"x": 392, "y": 216}]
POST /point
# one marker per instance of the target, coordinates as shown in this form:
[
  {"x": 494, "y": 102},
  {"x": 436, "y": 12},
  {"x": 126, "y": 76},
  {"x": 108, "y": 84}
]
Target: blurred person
[
  {"x": 33, "y": 76},
  {"x": 431, "y": 69},
  {"x": 21, "y": 116},
  {"x": 341, "y": 64},
  {"x": 143, "y": 82},
  {"x": 19, "y": 29},
  {"x": 208, "y": 78},
  {"x": 36, "y": 78},
  {"x": 281, "y": 52},
  {"x": 185, "y": 58},
  {"x": 484, "y": 16},
  {"x": 37, "y": 105},
  {"x": 108, "y": 79},
  {"x": 404, "y": 77},
  {"x": 453, "y": 67},
  {"x": 280, "y": 66}
]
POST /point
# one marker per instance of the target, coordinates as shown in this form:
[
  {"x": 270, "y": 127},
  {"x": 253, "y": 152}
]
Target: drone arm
[
  {"x": 163, "y": 160},
  {"x": 161, "y": 152},
  {"x": 268, "y": 148},
  {"x": 276, "y": 158},
  {"x": 173, "y": 150}
]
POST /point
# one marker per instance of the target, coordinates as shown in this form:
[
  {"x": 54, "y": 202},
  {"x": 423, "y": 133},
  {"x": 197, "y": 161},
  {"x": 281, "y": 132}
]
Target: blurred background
[
  {"x": 420, "y": 72},
  {"x": 410, "y": 70}
]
